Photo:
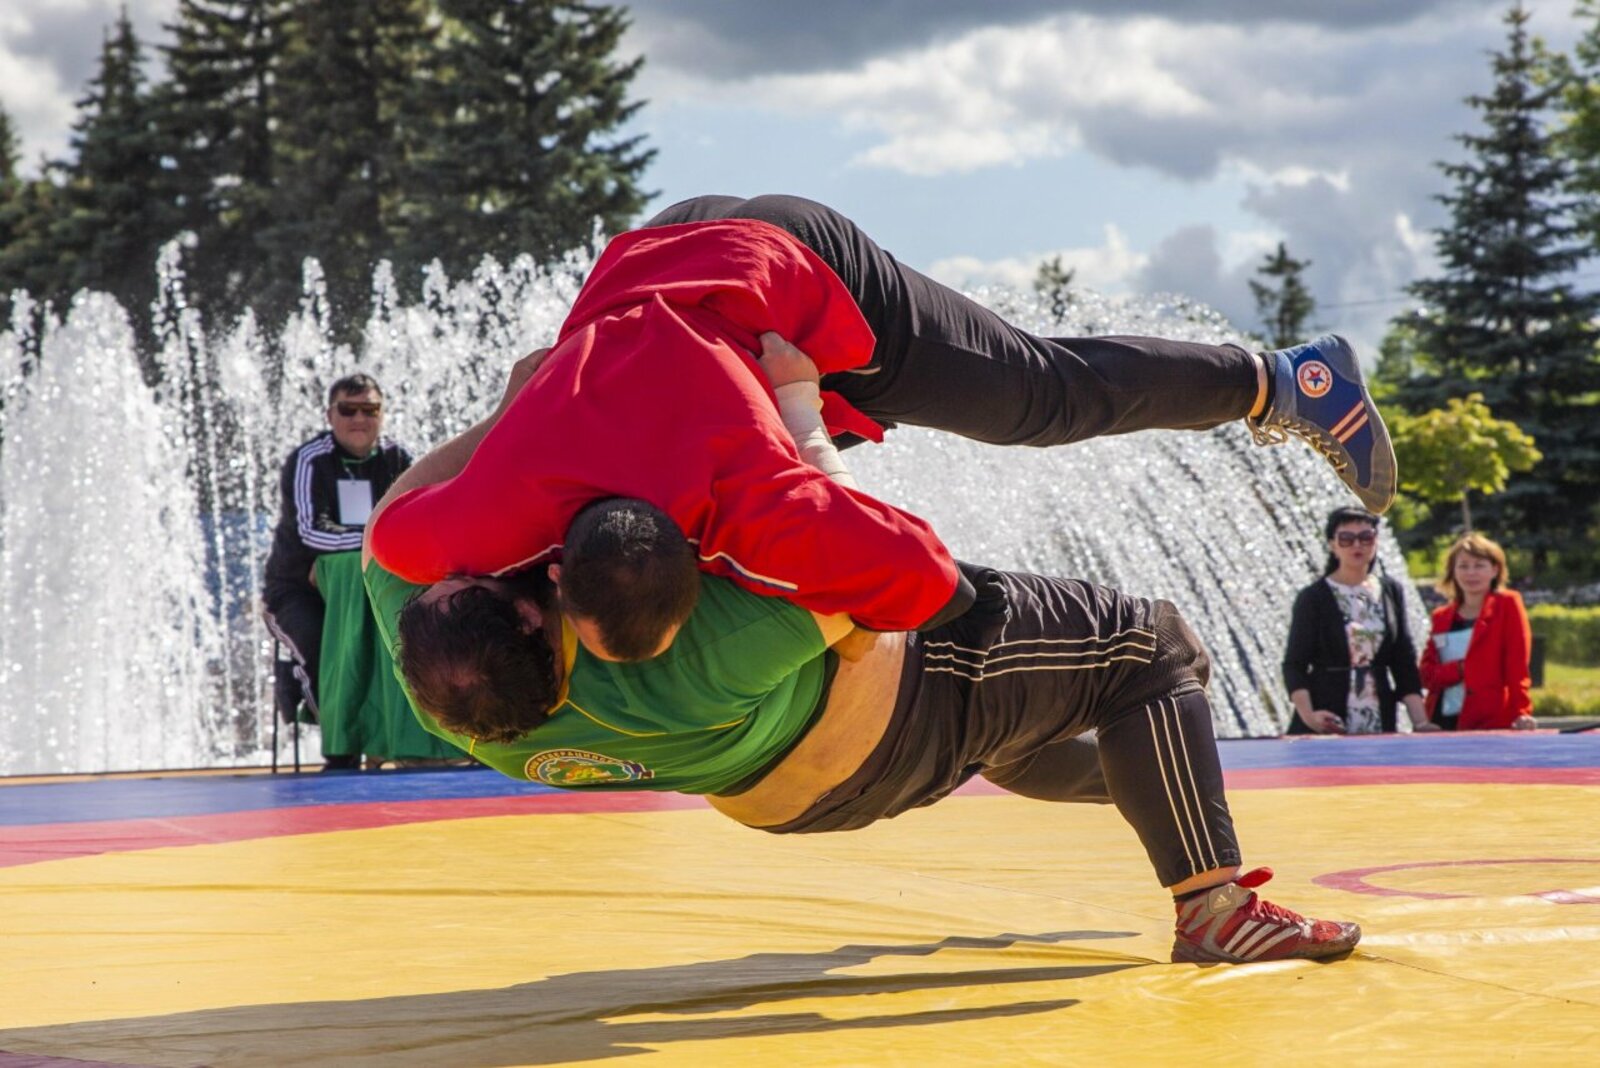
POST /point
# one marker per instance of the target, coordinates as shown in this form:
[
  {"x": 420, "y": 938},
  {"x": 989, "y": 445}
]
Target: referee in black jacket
[{"x": 328, "y": 487}]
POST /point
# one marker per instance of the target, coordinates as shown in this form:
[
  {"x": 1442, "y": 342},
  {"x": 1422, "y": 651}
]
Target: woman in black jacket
[{"x": 1350, "y": 654}]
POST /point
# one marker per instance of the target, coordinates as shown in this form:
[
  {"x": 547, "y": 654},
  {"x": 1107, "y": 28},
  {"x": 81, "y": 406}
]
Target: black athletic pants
[
  {"x": 946, "y": 362},
  {"x": 294, "y": 616},
  {"x": 1008, "y": 693}
]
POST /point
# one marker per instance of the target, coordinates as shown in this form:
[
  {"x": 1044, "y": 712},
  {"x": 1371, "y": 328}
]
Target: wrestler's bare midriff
[{"x": 860, "y": 704}]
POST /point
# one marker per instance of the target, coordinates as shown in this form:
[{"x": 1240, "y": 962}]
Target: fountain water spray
[{"x": 135, "y": 519}]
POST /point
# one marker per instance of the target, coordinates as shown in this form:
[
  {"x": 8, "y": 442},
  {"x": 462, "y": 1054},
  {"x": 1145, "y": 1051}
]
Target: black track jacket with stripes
[{"x": 308, "y": 519}]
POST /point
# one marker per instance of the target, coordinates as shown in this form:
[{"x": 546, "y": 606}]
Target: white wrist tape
[{"x": 800, "y": 407}]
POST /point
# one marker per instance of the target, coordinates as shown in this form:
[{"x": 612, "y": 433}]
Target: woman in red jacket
[{"x": 1475, "y": 665}]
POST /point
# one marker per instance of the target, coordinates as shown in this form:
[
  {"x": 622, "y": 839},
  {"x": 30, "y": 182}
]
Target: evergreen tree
[
  {"x": 345, "y": 103},
  {"x": 115, "y": 206},
  {"x": 519, "y": 152},
  {"x": 1053, "y": 283},
  {"x": 1579, "y": 136},
  {"x": 29, "y": 259},
  {"x": 12, "y": 192},
  {"x": 1504, "y": 320},
  {"x": 215, "y": 112},
  {"x": 8, "y": 153},
  {"x": 1282, "y": 300}
]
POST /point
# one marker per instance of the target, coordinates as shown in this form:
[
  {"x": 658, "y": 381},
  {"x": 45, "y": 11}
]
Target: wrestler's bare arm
[
  {"x": 447, "y": 459},
  {"x": 795, "y": 380},
  {"x": 798, "y": 387}
]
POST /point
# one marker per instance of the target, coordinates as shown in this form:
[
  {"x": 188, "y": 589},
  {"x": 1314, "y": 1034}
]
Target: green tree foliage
[
  {"x": 1504, "y": 319},
  {"x": 8, "y": 152},
  {"x": 1447, "y": 453},
  {"x": 215, "y": 110},
  {"x": 355, "y": 131},
  {"x": 114, "y": 207},
  {"x": 1053, "y": 283},
  {"x": 1578, "y": 77},
  {"x": 29, "y": 259},
  {"x": 10, "y": 189},
  {"x": 517, "y": 150},
  {"x": 1282, "y": 299},
  {"x": 345, "y": 100},
  {"x": 1399, "y": 360}
]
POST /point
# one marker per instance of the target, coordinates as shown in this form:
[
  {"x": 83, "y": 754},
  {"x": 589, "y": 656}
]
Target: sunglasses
[
  {"x": 1347, "y": 538},
  {"x": 350, "y": 409}
]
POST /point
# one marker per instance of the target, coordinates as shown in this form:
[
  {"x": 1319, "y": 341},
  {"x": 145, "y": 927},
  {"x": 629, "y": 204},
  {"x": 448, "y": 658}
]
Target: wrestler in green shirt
[{"x": 734, "y": 691}]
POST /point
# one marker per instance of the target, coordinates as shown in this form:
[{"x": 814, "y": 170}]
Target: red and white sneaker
[{"x": 1231, "y": 924}]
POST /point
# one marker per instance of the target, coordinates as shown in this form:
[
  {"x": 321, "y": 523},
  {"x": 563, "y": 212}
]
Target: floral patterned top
[{"x": 1364, "y": 621}]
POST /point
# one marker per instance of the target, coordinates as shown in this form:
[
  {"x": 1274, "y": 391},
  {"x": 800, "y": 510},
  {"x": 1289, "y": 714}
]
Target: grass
[{"x": 1568, "y": 690}]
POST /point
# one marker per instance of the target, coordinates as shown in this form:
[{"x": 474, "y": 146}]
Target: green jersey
[{"x": 734, "y": 691}]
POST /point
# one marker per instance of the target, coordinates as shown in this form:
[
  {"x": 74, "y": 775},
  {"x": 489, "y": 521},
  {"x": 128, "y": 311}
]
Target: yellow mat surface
[{"x": 985, "y": 930}]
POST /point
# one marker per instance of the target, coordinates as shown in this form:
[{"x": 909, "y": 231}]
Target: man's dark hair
[
  {"x": 470, "y": 660},
  {"x": 628, "y": 568},
  {"x": 356, "y": 383}
]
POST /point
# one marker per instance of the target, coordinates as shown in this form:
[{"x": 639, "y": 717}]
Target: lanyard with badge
[{"x": 355, "y": 499}]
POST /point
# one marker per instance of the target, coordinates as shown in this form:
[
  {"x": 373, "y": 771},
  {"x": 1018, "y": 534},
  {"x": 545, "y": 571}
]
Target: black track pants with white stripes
[
  {"x": 295, "y": 618},
  {"x": 1162, "y": 770},
  {"x": 1013, "y": 702}
]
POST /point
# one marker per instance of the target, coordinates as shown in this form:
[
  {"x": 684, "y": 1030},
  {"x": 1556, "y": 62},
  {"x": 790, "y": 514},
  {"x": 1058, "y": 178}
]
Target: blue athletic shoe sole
[{"x": 1320, "y": 395}]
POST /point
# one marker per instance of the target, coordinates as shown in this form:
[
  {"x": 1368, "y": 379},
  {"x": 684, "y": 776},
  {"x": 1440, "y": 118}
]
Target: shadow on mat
[{"x": 581, "y": 1016}]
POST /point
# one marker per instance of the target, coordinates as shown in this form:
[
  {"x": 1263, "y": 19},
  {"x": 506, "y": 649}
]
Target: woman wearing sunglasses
[
  {"x": 1475, "y": 664},
  {"x": 1350, "y": 656}
]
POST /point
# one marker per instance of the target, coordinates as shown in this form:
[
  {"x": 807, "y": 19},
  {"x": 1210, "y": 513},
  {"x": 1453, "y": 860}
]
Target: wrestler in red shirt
[{"x": 651, "y": 391}]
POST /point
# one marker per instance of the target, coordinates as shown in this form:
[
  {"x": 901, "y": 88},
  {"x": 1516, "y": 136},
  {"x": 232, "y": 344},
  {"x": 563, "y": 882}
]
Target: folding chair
[{"x": 278, "y": 711}]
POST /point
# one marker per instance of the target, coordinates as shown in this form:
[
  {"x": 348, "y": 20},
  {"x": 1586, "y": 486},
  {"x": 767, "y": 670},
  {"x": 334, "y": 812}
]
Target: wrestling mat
[{"x": 453, "y": 918}]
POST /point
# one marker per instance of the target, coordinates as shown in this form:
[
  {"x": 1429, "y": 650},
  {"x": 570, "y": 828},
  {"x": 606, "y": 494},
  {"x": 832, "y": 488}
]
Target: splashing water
[{"x": 134, "y": 521}]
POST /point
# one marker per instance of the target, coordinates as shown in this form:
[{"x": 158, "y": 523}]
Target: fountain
[{"x": 134, "y": 521}]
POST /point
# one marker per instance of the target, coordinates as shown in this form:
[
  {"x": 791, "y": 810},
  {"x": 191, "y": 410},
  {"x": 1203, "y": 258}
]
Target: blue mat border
[{"x": 106, "y": 800}]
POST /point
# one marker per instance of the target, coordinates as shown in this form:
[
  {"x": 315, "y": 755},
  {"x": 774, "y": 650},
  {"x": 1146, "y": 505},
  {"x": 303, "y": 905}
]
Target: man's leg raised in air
[{"x": 944, "y": 361}]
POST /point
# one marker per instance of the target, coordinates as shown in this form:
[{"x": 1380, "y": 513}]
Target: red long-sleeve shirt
[{"x": 651, "y": 392}]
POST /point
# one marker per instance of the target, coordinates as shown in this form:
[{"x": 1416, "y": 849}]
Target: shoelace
[
  {"x": 1276, "y": 913},
  {"x": 1276, "y": 433}
]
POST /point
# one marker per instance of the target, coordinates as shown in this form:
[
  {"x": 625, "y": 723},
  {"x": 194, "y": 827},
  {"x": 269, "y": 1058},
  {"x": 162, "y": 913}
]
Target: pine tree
[
  {"x": 116, "y": 202},
  {"x": 1053, "y": 282},
  {"x": 345, "y": 103},
  {"x": 13, "y": 208},
  {"x": 215, "y": 112},
  {"x": 1579, "y": 136},
  {"x": 1283, "y": 301},
  {"x": 8, "y": 152},
  {"x": 29, "y": 258},
  {"x": 520, "y": 152},
  {"x": 1504, "y": 320}
]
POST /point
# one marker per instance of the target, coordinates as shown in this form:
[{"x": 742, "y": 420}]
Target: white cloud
[
  {"x": 48, "y": 53},
  {"x": 1247, "y": 247},
  {"x": 995, "y": 96},
  {"x": 40, "y": 108},
  {"x": 1293, "y": 174},
  {"x": 1107, "y": 268}
]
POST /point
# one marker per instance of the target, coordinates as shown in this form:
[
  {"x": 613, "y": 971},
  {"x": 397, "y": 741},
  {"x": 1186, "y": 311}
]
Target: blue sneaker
[{"x": 1319, "y": 395}]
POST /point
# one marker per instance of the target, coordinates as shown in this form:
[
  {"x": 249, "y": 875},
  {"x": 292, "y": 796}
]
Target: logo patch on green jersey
[{"x": 579, "y": 767}]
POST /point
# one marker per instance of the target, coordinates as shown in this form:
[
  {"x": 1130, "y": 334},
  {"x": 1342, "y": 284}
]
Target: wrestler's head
[
  {"x": 480, "y": 654},
  {"x": 628, "y": 579}
]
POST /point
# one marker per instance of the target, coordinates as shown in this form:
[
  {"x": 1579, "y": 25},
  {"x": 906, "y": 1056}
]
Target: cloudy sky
[{"x": 1156, "y": 145}]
